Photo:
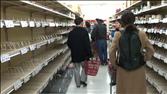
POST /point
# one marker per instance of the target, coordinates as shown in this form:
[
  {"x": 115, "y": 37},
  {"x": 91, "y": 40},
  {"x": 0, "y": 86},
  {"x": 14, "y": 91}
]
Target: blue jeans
[{"x": 102, "y": 50}]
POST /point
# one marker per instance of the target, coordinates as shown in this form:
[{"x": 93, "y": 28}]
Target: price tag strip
[
  {"x": 9, "y": 23},
  {"x": 27, "y": 78},
  {"x": 31, "y": 24},
  {"x": 2, "y": 24},
  {"x": 24, "y": 50},
  {"x": 24, "y": 23},
  {"x": 32, "y": 47},
  {"x": 17, "y": 84},
  {"x": 4, "y": 58}
]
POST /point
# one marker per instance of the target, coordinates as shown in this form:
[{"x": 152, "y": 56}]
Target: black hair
[
  {"x": 78, "y": 21},
  {"x": 87, "y": 24},
  {"x": 128, "y": 19}
]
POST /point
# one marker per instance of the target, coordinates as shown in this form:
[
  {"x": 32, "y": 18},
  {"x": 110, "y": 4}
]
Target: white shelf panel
[
  {"x": 23, "y": 24},
  {"x": 45, "y": 8},
  {"x": 159, "y": 44},
  {"x": 8, "y": 54},
  {"x": 62, "y": 41},
  {"x": 151, "y": 89},
  {"x": 157, "y": 81},
  {"x": 8, "y": 79},
  {"x": 153, "y": 21},
  {"x": 40, "y": 81},
  {"x": 151, "y": 9},
  {"x": 160, "y": 57},
  {"x": 158, "y": 67}
]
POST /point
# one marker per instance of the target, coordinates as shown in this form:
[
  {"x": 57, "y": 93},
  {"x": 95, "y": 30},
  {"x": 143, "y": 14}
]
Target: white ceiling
[{"x": 97, "y": 9}]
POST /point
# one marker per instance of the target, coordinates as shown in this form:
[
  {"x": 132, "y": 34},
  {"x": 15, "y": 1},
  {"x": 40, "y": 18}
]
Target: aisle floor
[{"x": 96, "y": 85}]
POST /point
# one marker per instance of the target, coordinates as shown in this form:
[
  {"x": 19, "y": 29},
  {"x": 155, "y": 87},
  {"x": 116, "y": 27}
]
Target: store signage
[
  {"x": 17, "y": 84},
  {"x": 31, "y": 24},
  {"x": 4, "y": 58},
  {"x": 9, "y": 23},
  {"x": 24, "y": 23}
]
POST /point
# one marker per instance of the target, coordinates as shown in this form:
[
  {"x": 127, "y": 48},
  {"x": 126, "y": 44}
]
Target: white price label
[
  {"x": 166, "y": 76},
  {"x": 2, "y": 24},
  {"x": 52, "y": 24},
  {"x": 32, "y": 47},
  {"x": 26, "y": 79},
  {"x": 52, "y": 40},
  {"x": 31, "y": 24},
  {"x": 160, "y": 44},
  {"x": 9, "y": 23},
  {"x": 17, "y": 84},
  {"x": 4, "y": 58},
  {"x": 24, "y": 23},
  {"x": 44, "y": 24},
  {"x": 165, "y": 60},
  {"x": 49, "y": 41},
  {"x": 38, "y": 24},
  {"x": 34, "y": 73},
  {"x": 24, "y": 50},
  {"x": 165, "y": 46},
  {"x": 46, "y": 63}
]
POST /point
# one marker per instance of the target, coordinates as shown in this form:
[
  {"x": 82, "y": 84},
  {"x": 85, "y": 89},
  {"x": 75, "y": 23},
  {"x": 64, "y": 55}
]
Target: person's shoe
[
  {"x": 83, "y": 83},
  {"x": 78, "y": 86},
  {"x": 113, "y": 83}
]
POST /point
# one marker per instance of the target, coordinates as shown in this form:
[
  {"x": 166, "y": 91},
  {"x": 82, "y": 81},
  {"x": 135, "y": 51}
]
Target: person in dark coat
[
  {"x": 99, "y": 36},
  {"x": 79, "y": 44}
]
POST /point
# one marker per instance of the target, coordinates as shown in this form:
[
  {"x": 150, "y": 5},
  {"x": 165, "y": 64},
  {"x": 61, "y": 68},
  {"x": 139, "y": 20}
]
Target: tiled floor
[{"x": 96, "y": 85}]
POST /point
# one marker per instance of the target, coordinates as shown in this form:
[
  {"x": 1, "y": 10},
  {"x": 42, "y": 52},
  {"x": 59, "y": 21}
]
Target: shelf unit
[
  {"x": 33, "y": 44},
  {"x": 151, "y": 17}
]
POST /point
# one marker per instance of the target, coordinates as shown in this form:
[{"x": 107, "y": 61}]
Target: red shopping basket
[{"x": 92, "y": 67}]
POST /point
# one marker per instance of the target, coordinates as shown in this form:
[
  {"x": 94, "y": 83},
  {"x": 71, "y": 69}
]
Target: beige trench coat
[{"x": 131, "y": 82}]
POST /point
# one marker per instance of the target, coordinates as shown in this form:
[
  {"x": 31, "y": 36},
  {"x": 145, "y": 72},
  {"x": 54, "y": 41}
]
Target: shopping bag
[{"x": 92, "y": 67}]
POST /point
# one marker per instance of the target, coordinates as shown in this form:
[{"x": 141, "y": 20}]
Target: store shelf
[
  {"x": 62, "y": 41},
  {"x": 158, "y": 67},
  {"x": 159, "y": 44},
  {"x": 151, "y": 89},
  {"x": 40, "y": 81},
  {"x": 157, "y": 81},
  {"x": 32, "y": 5},
  {"x": 28, "y": 23},
  {"x": 6, "y": 55},
  {"x": 130, "y": 7},
  {"x": 12, "y": 80},
  {"x": 152, "y": 9}
]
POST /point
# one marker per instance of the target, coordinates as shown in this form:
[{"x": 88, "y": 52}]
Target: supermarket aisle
[{"x": 96, "y": 85}]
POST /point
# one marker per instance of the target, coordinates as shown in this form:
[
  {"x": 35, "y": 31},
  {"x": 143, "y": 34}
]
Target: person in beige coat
[{"x": 130, "y": 82}]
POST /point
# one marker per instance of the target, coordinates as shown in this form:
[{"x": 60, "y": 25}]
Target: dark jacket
[
  {"x": 79, "y": 44},
  {"x": 99, "y": 32}
]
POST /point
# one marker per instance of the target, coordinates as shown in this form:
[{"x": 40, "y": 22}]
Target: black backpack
[{"x": 130, "y": 56}]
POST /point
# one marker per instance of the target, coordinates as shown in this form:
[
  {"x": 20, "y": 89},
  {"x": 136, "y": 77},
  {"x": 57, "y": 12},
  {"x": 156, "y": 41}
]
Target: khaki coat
[{"x": 131, "y": 82}]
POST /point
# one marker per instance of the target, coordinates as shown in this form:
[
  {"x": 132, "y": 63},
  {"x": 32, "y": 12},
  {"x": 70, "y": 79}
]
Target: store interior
[{"x": 35, "y": 57}]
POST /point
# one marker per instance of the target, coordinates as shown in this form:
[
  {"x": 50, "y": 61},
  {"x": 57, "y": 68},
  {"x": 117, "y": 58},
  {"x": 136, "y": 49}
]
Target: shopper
[
  {"x": 88, "y": 28},
  {"x": 79, "y": 44},
  {"x": 117, "y": 27},
  {"x": 130, "y": 63},
  {"x": 99, "y": 35}
]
